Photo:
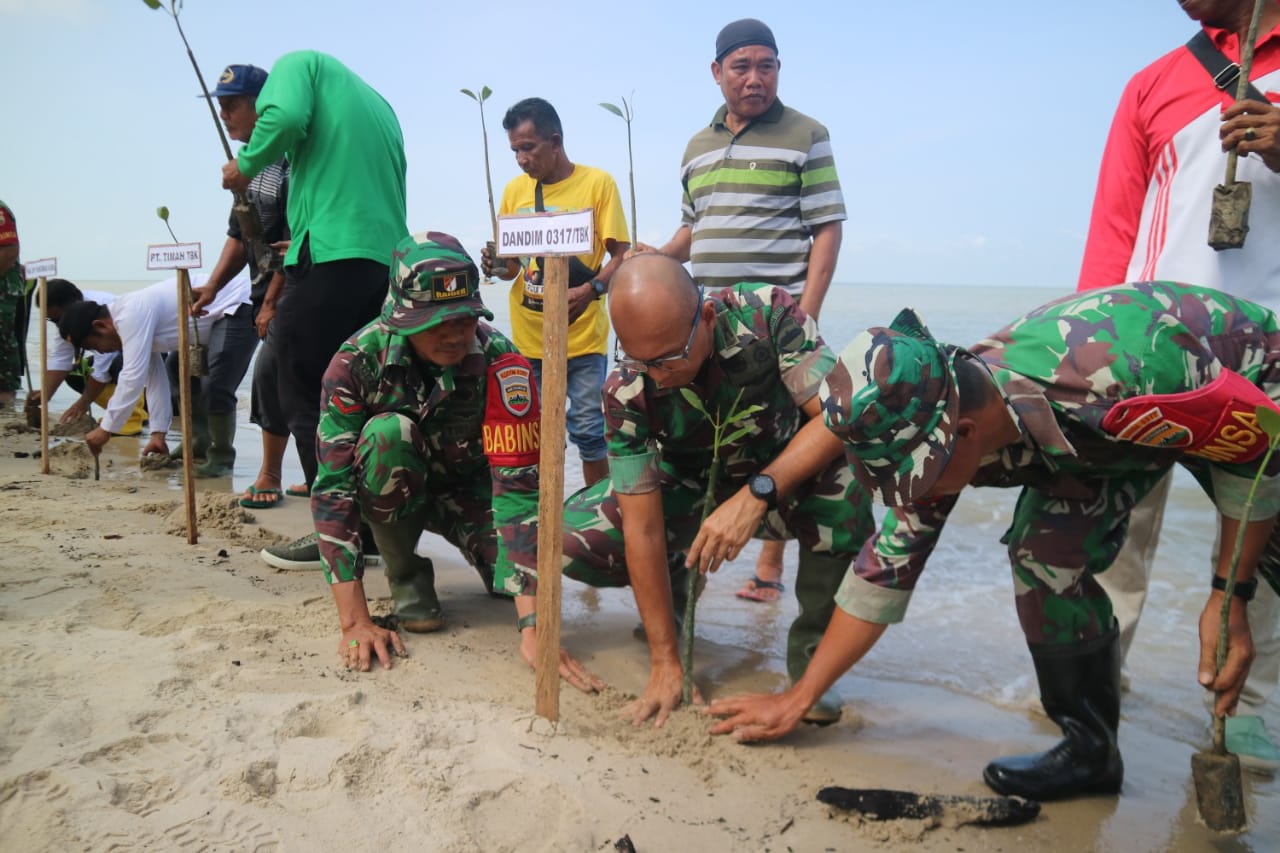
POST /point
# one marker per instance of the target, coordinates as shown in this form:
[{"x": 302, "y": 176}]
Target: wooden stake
[
  {"x": 43, "y": 284},
  {"x": 555, "y": 334},
  {"x": 184, "y": 388}
]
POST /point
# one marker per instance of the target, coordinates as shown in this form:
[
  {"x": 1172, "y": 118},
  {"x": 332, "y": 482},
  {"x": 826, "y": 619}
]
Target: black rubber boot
[
  {"x": 1080, "y": 689},
  {"x": 412, "y": 578},
  {"x": 817, "y": 581},
  {"x": 220, "y": 458}
]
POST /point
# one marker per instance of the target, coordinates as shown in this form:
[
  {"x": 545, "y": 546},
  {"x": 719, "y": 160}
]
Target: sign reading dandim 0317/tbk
[{"x": 569, "y": 232}]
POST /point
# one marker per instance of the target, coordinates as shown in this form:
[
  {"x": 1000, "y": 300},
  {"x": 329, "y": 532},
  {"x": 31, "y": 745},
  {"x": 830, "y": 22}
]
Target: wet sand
[{"x": 164, "y": 696}]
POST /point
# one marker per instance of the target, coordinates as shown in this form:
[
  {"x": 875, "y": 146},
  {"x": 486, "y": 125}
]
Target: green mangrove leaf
[
  {"x": 692, "y": 399},
  {"x": 1269, "y": 420},
  {"x": 470, "y": 94},
  {"x": 163, "y": 212},
  {"x": 152, "y": 4},
  {"x": 746, "y": 430},
  {"x": 734, "y": 417},
  {"x": 485, "y": 93},
  {"x": 613, "y": 108}
]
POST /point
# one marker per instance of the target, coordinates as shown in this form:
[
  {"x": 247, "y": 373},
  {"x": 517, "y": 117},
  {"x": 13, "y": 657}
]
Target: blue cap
[{"x": 240, "y": 80}]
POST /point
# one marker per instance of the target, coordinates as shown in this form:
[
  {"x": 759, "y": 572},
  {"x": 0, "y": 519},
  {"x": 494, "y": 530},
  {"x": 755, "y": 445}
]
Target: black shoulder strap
[{"x": 1224, "y": 72}]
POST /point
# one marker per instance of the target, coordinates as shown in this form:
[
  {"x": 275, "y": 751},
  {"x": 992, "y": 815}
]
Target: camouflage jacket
[
  {"x": 767, "y": 352},
  {"x": 1061, "y": 369},
  {"x": 375, "y": 372}
]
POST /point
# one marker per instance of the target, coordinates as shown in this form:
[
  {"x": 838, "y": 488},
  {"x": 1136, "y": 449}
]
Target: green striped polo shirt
[{"x": 753, "y": 199}]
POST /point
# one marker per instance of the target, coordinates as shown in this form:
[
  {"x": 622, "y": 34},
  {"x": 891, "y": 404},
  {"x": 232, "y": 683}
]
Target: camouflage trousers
[
  {"x": 397, "y": 477},
  {"x": 10, "y": 347},
  {"x": 1057, "y": 545},
  {"x": 830, "y": 516}
]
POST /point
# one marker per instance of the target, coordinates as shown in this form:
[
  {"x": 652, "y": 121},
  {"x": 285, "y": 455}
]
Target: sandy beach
[{"x": 164, "y": 696}]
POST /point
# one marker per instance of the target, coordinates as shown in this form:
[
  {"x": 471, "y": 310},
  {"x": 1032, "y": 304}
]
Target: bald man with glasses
[{"x": 683, "y": 359}]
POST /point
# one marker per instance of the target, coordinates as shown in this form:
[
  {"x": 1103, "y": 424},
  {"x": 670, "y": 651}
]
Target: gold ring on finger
[{"x": 1250, "y": 134}]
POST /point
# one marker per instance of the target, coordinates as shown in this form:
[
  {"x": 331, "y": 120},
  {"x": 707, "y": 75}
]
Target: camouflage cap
[
  {"x": 433, "y": 279},
  {"x": 891, "y": 398}
]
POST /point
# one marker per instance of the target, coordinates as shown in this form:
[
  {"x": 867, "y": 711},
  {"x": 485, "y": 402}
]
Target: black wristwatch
[
  {"x": 599, "y": 287},
  {"x": 763, "y": 488},
  {"x": 1244, "y": 590}
]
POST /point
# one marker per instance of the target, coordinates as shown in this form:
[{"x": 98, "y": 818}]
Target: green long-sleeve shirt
[{"x": 346, "y": 157}]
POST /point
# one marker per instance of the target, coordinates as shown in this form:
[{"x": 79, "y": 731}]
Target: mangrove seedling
[
  {"x": 718, "y": 440},
  {"x": 480, "y": 98},
  {"x": 626, "y": 113},
  {"x": 246, "y": 214},
  {"x": 163, "y": 213}
]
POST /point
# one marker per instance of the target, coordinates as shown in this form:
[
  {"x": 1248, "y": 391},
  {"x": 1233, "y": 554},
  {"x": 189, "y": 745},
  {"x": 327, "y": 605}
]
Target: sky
[{"x": 967, "y": 135}]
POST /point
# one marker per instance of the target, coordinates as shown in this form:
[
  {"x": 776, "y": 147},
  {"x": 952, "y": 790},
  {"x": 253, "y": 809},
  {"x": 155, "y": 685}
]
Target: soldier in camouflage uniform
[
  {"x": 748, "y": 346},
  {"x": 11, "y": 298},
  {"x": 1085, "y": 403},
  {"x": 429, "y": 422}
]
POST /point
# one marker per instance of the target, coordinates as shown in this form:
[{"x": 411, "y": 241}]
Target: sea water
[{"x": 961, "y": 631}]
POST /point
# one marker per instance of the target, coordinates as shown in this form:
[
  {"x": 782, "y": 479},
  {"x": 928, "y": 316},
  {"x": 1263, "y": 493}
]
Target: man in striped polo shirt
[{"x": 762, "y": 201}]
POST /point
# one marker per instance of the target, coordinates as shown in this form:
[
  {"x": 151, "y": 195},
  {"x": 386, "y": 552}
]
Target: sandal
[
  {"x": 299, "y": 491},
  {"x": 751, "y": 590},
  {"x": 254, "y": 502}
]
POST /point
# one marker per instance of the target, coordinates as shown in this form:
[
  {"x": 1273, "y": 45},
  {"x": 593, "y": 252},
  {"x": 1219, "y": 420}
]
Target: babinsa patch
[
  {"x": 515, "y": 389},
  {"x": 1217, "y": 422}
]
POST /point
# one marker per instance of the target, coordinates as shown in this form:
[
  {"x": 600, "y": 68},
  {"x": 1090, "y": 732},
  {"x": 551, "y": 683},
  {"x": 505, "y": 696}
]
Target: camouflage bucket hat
[
  {"x": 433, "y": 279},
  {"x": 891, "y": 398}
]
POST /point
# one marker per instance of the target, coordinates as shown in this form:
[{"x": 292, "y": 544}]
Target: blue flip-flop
[{"x": 252, "y": 502}]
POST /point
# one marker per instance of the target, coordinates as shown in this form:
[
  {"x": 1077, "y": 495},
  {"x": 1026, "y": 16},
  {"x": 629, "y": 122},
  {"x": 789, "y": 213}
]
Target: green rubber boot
[
  {"x": 412, "y": 578},
  {"x": 200, "y": 431},
  {"x": 220, "y": 459},
  {"x": 817, "y": 581}
]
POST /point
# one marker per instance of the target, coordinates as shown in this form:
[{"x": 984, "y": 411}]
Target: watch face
[{"x": 762, "y": 486}]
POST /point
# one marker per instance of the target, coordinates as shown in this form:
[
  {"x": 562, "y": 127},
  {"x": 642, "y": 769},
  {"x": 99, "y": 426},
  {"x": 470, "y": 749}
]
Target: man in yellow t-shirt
[{"x": 552, "y": 182}]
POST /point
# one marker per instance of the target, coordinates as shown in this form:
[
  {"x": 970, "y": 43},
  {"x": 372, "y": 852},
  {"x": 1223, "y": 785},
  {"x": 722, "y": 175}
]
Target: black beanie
[{"x": 742, "y": 33}]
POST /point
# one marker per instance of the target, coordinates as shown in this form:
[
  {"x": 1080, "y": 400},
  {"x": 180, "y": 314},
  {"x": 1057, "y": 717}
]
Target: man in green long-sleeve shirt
[{"x": 346, "y": 210}]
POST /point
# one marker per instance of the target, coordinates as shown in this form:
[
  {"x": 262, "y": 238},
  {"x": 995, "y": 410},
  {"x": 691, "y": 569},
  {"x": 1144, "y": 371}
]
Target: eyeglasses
[{"x": 639, "y": 365}]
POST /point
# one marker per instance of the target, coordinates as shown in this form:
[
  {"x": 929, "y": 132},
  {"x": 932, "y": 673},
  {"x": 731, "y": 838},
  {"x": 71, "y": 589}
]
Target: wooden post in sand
[
  {"x": 555, "y": 335},
  {"x": 42, "y": 270},
  {"x": 182, "y": 257},
  {"x": 553, "y": 237},
  {"x": 184, "y": 395}
]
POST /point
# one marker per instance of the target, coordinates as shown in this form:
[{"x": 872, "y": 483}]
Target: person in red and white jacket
[{"x": 1165, "y": 153}]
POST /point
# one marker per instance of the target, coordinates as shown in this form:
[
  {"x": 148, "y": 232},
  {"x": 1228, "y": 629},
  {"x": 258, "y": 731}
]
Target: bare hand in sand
[
  {"x": 363, "y": 640},
  {"x": 661, "y": 696},
  {"x": 726, "y": 530},
  {"x": 156, "y": 445},
  {"x": 1229, "y": 681},
  {"x": 571, "y": 669},
  {"x": 97, "y": 439},
  {"x": 74, "y": 412},
  {"x": 756, "y": 716}
]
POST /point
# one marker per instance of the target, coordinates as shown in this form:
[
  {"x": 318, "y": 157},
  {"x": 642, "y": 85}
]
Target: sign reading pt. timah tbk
[{"x": 553, "y": 233}]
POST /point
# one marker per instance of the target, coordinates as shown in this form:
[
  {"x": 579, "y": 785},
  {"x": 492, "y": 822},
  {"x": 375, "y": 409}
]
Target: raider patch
[
  {"x": 452, "y": 285},
  {"x": 1218, "y": 422}
]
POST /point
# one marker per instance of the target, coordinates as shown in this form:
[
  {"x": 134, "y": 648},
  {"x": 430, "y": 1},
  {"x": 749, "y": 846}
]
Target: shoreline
[{"x": 159, "y": 694}]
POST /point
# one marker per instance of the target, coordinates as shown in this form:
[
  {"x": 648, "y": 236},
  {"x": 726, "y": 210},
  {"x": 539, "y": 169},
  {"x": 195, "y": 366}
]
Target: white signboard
[
  {"x": 173, "y": 256},
  {"x": 554, "y": 233},
  {"x": 43, "y": 268}
]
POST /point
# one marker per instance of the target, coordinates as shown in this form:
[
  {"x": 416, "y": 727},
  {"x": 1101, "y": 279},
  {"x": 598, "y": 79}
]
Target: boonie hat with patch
[
  {"x": 240, "y": 80},
  {"x": 433, "y": 279},
  {"x": 892, "y": 399}
]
